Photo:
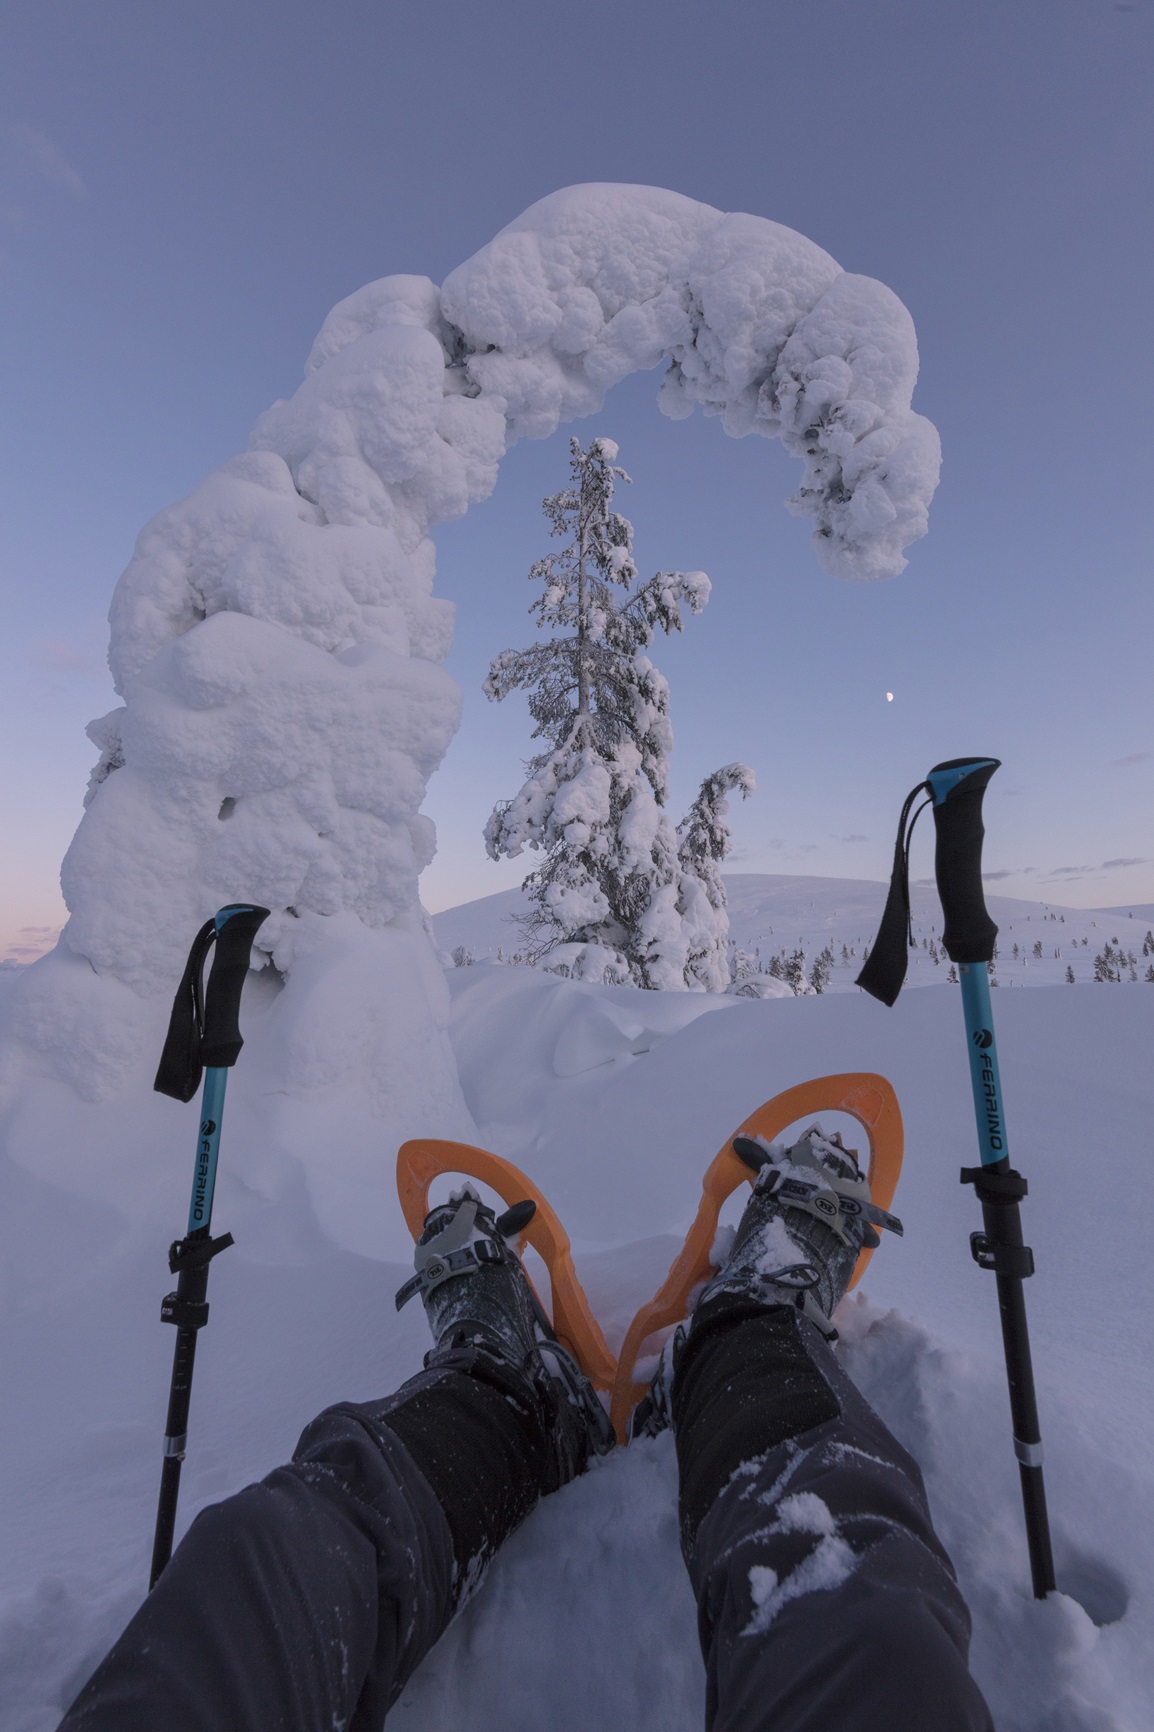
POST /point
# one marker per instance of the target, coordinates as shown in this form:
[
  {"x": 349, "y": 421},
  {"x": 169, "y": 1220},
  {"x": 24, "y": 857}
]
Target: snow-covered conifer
[
  {"x": 822, "y": 971},
  {"x": 702, "y": 844},
  {"x": 793, "y": 971},
  {"x": 609, "y": 888}
]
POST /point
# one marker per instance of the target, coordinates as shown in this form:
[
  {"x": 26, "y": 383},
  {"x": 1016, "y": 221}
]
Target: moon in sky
[{"x": 889, "y": 697}]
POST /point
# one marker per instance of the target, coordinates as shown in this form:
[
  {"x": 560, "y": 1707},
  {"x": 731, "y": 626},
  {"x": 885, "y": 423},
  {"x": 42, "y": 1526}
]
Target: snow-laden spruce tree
[
  {"x": 620, "y": 895},
  {"x": 702, "y": 844}
]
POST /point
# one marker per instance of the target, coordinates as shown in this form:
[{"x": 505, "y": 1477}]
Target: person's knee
[
  {"x": 859, "y": 1654},
  {"x": 251, "y": 1525},
  {"x": 901, "y": 1654}
]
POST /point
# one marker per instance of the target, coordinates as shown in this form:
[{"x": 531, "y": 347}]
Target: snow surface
[
  {"x": 276, "y": 641},
  {"x": 587, "y": 1618}
]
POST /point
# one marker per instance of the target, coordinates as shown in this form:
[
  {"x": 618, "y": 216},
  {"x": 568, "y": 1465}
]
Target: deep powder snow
[{"x": 586, "y": 1619}]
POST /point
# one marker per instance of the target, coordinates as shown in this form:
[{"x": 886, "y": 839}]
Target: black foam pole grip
[
  {"x": 221, "y": 1042},
  {"x": 968, "y": 933}
]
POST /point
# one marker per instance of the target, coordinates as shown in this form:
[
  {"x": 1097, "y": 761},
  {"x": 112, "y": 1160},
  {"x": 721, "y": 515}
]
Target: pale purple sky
[{"x": 184, "y": 192}]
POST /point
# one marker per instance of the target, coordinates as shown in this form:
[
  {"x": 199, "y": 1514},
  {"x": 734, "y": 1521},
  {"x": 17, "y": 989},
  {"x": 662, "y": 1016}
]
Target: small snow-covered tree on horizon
[{"x": 613, "y": 899}]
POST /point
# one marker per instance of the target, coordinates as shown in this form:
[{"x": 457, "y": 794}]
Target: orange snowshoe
[{"x": 865, "y": 1096}]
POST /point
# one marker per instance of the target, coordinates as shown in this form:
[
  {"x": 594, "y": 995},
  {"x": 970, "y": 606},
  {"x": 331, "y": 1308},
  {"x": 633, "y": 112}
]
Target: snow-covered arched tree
[
  {"x": 612, "y": 898},
  {"x": 276, "y": 643}
]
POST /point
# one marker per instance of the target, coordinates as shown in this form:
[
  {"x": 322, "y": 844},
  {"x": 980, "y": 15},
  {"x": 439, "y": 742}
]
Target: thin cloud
[
  {"x": 853, "y": 838},
  {"x": 32, "y": 942},
  {"x": 1096, "y": 871},
  {"x": 790, "y": 849},
  {"x": 36, "y": 151},
  {"x": 993, "y": 876},
  {"x": 1134, "y": 758}
]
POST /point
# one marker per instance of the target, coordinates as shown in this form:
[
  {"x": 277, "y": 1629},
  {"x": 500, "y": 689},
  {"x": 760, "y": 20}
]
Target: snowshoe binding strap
[
  {"x": 799, "y": 1276},
  {"x": 452, "y": 1251},
  {"x": 841, "y": 1202}
]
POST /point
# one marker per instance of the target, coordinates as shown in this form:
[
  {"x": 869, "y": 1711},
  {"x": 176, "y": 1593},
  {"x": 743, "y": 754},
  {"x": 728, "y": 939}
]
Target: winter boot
[
  {"x": 807, "y": 1219},
  {"x": 485, "y": 1317},
  {"x": 804, "y": 1225}
]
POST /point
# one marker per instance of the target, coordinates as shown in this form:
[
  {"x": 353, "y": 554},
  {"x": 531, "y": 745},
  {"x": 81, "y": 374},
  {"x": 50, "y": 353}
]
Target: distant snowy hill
[{"x": 772, "y": 912}]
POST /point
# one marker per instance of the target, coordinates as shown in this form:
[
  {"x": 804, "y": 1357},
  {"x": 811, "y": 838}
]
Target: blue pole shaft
[
  {"x": 989, "y": 1114},
  {"x": 207, "y": 1150},
  {"x": 1003, "y": 1237}
]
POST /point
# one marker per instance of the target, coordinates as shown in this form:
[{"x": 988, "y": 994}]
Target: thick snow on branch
[
  {"x": 276, "y": 639},
  {"x": 758, "y": 325}
]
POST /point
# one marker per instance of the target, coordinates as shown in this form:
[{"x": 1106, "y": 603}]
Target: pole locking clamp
[
  {"x": 193, "y": 1253},
  {"x": 1016, "y": 1261}
]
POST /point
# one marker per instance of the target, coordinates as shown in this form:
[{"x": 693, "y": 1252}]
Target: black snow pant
[{"x": 826, "y": 1601}]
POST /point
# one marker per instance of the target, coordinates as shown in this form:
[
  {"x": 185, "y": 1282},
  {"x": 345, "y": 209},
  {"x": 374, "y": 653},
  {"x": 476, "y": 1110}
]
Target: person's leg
[
  {"x": 307, "y": 1601},
  {"x": 825, "y": 1598}
]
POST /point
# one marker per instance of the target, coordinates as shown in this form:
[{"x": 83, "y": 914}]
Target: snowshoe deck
[{"x": 864, "y": 1095}]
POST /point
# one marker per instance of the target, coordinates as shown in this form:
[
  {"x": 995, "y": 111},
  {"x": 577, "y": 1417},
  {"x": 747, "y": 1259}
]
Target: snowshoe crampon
[{"x": 863, "y": 1095}]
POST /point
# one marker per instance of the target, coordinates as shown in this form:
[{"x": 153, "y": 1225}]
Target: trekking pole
[
  {"x": 955, "y": 789},
  {"x": 203, "y": 1034}
]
